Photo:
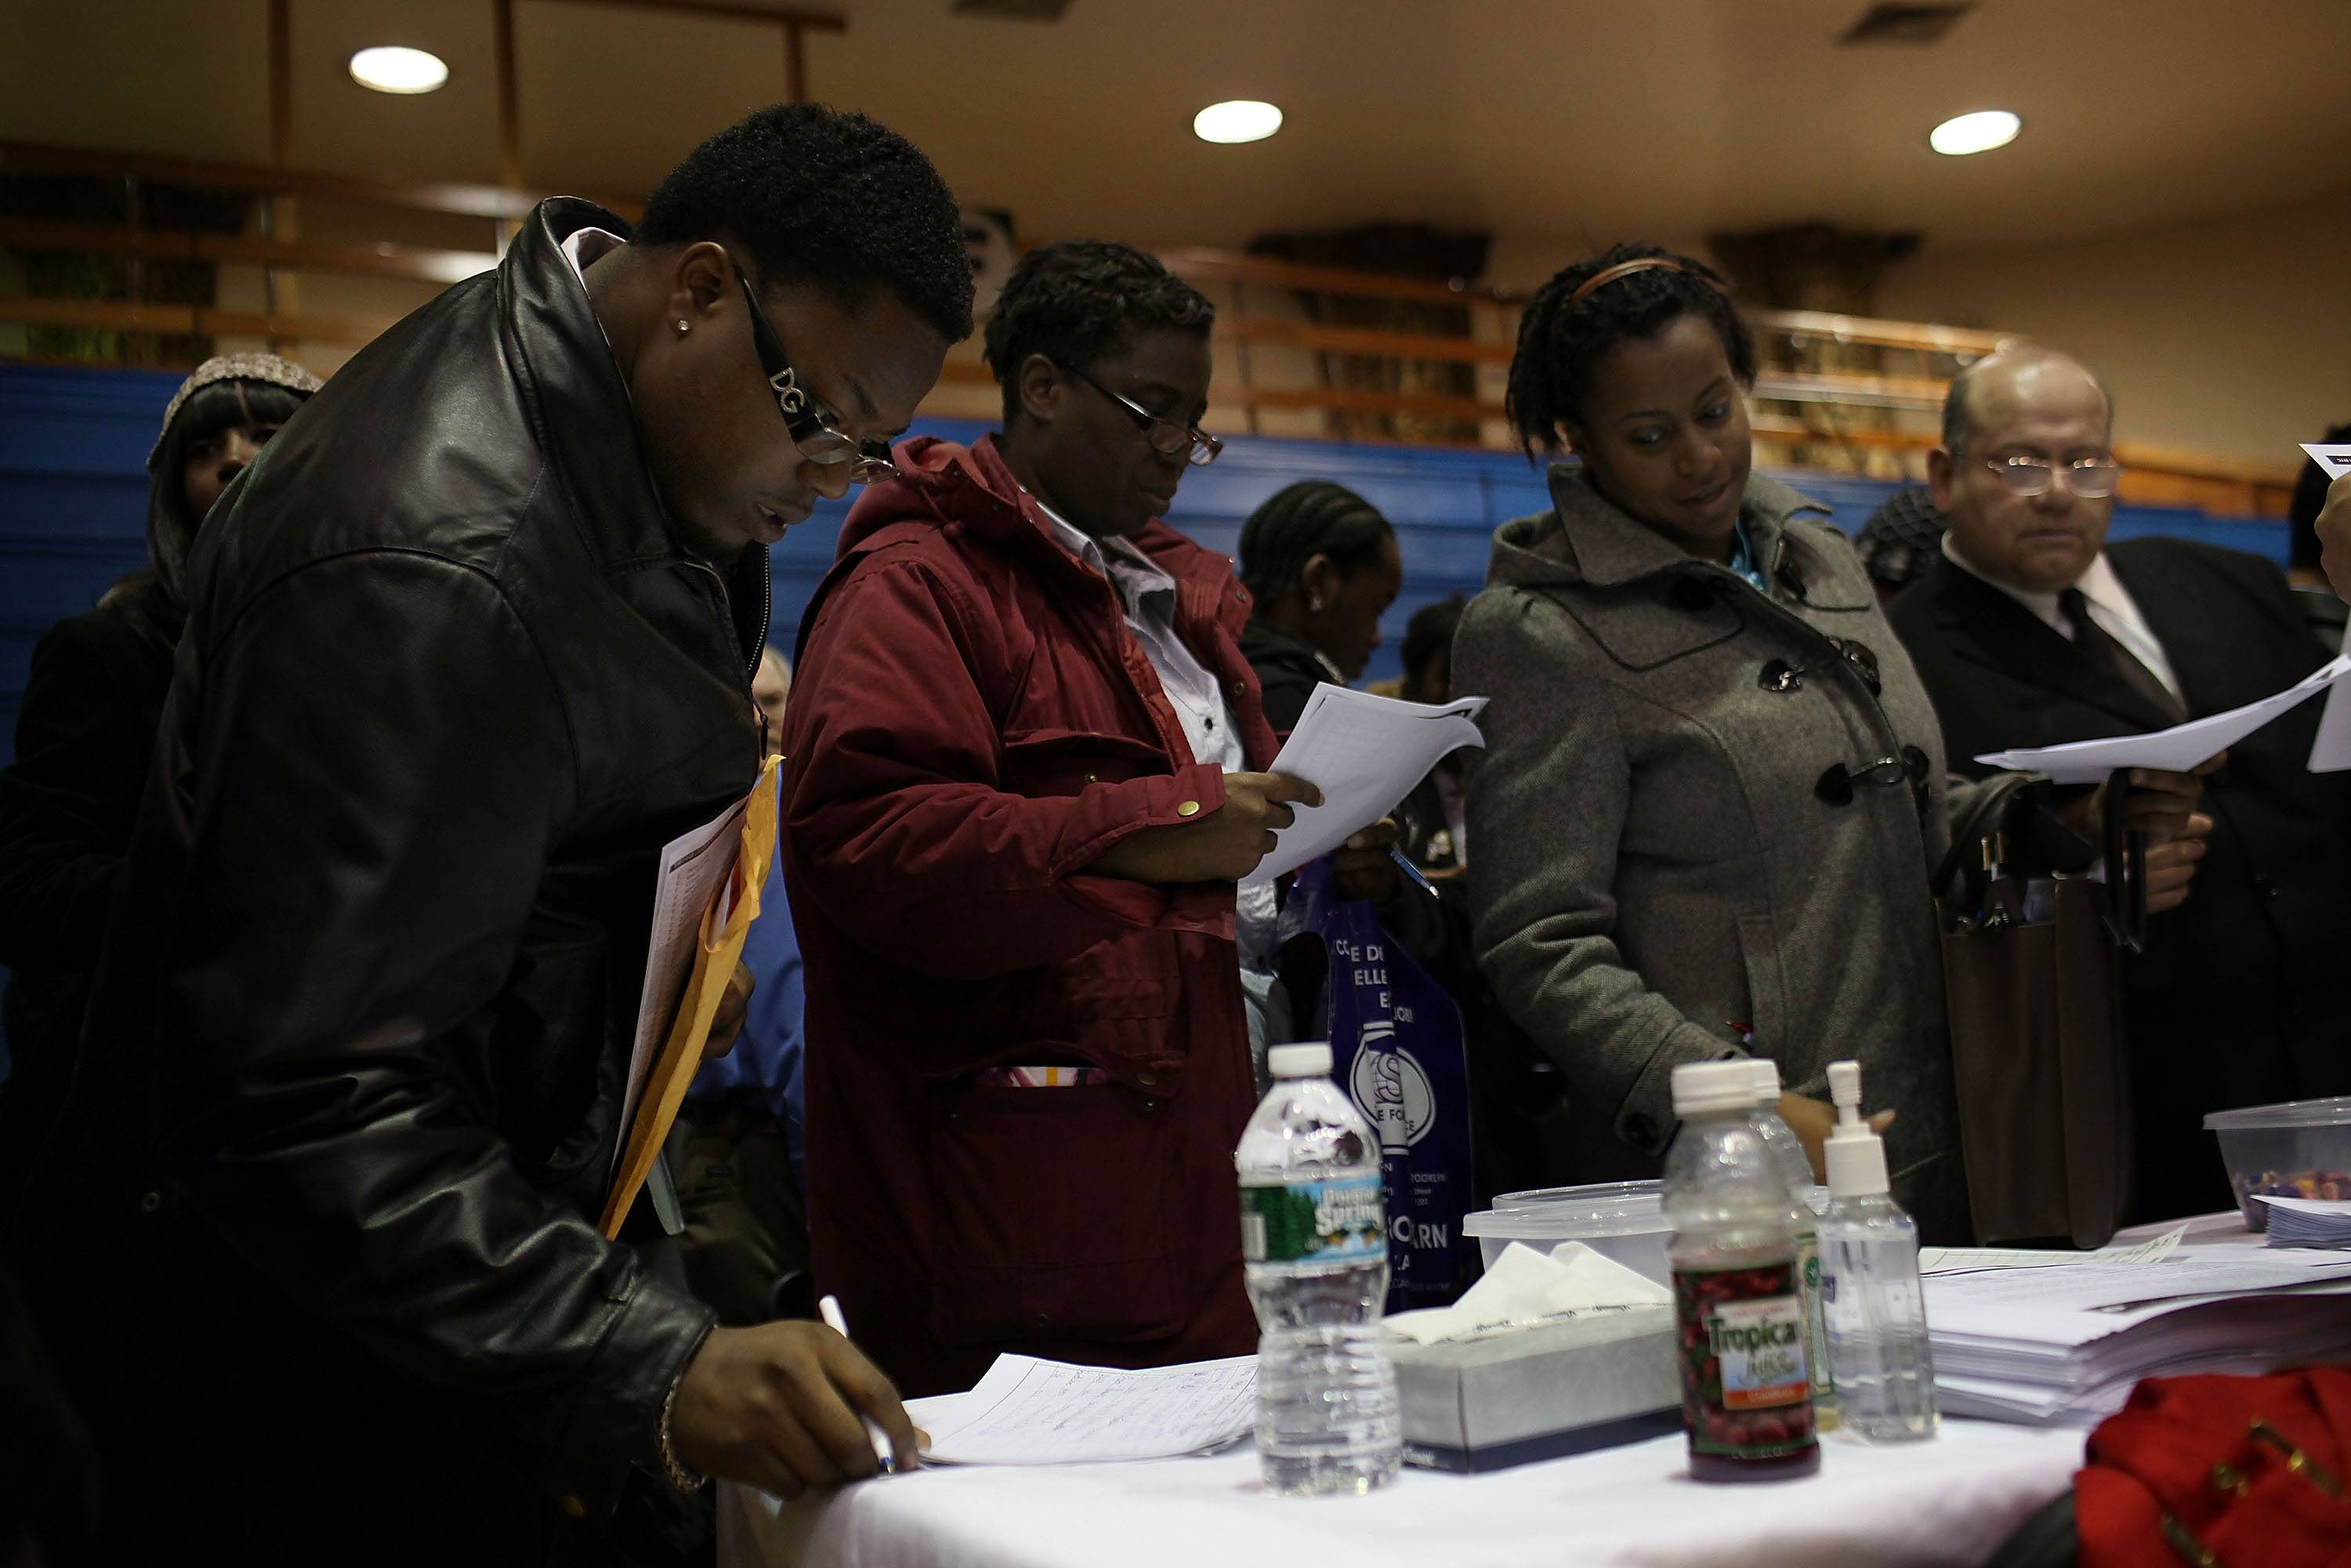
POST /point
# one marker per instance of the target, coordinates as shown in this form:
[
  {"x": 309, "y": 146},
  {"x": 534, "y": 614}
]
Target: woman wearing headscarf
[{"x": 92, "y": 700}]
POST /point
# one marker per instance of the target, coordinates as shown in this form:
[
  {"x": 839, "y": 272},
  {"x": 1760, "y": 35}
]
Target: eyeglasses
[
  {"x": 1168, "y": 437},
  {"x": 2091, "y": 478},
  {"x": 810, "y": 423},
  {"x": 1837, "y": 783}
]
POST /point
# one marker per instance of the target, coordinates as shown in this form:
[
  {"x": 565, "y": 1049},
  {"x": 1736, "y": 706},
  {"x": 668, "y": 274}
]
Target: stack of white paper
[
  {"x": 2308, "y": 1222},
  {"x": 2065, "y": 1343},
  {"x": 1366, "y": 754}
]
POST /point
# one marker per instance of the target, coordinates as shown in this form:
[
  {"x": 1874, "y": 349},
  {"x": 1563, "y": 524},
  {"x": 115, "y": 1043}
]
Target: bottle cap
[
  {"x": 1309, "y": 1060},
  {"x": 1702, "y": 1086},
  {"x": 1764, "y": 1072}
]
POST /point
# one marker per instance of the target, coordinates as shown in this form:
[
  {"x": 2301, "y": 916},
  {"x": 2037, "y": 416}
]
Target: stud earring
[
  {"x": 1314, "y": 604},
  {"x": 682, "y": 328}
]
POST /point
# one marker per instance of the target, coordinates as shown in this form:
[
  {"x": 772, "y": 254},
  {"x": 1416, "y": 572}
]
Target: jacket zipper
[{"x": 726, "y": 625}]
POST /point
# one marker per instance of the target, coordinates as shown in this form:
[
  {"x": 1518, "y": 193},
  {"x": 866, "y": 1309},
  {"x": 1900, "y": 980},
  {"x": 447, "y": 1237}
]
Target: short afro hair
[
  {"x": 1078, "y": 300},
  {"x": 819, "y": 196},
  {"x": 1561, "y": 338}
]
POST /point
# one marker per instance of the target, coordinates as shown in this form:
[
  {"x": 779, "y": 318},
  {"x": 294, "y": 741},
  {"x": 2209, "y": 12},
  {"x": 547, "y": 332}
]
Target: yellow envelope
[{"x": 725, "y": 924}]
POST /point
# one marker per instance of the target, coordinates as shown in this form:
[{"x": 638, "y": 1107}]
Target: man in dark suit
[{"x": 2029, "y": 632}]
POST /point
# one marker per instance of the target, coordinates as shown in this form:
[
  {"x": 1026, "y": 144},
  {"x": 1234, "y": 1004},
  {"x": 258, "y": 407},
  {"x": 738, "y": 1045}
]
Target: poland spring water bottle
[{"x": 1313, "y": 1237}]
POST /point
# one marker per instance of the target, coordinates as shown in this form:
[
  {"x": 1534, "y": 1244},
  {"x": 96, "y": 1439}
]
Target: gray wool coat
[{"x": 1659, "y": 879}]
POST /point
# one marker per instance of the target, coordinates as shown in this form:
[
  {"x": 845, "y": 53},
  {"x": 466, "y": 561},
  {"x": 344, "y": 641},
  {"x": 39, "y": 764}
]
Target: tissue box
[{"x": 1515, "y": 1396}]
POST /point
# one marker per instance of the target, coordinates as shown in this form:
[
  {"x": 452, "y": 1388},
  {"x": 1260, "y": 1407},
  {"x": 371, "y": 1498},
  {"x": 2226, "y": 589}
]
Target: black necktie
[{"x": 2103, "y": 650}]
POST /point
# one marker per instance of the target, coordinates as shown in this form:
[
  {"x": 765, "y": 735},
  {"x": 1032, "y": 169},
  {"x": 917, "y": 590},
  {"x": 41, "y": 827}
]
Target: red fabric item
[
  {"x": 2187, "y": 1447},
  {"x": 971, "y": 723}
]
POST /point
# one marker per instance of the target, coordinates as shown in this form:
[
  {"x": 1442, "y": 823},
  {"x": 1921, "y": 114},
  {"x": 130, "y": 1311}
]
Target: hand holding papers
[
  {"x": 703, "y": 904},
  {"x": 1366, "y": 754},
  {"x": 1032, "y": 1412},
  {"x": 2335, "y": 460},
  {"x": 2179, "y": 749}
]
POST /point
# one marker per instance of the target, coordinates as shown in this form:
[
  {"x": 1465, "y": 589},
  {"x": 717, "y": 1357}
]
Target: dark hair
[
  {"x": 1077, "y": 300},
  {"x": 1902, "y": 539},
  {"x": 156, "y": 598},
  {"x": 1561, "y": 338},
  {"x": 1300, "y": 522},
  {"x": 2308, "y": 500},
  {"x": 819, "y": 196},
  {"x": 1430, "y": 632}
]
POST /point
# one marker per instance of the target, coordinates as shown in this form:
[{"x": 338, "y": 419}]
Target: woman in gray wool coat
[{"x": 1713, "y": 790}]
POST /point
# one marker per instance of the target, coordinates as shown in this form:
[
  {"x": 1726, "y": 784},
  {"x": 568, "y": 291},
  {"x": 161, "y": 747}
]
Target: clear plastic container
[
  {"x": 1625, "y": 1220},
  {"x": 2299, "y": 1149}
]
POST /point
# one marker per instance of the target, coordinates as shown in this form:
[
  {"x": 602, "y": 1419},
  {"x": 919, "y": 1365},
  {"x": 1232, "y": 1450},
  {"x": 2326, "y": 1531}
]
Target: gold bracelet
[{"x": 679, "y": 1476}]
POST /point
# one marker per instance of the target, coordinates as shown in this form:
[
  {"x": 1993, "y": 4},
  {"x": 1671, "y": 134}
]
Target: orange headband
[{"x": 1609, "y": 275}]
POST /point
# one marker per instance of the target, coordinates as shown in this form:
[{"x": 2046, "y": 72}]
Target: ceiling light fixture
[
  {"x": 390, "y": 68},
  {"x": 1978, "y": 132},
  {"x": 1240, "y": 119}
]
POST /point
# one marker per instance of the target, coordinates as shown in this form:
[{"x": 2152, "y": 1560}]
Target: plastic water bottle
[
  {"x": 1788, "y": 1154},
  {"x": 1878, "y": 1349},
  {"x": 1314, "y": 1241},
  {"x": 1787, "y": 1149},
  {"x": 1739, "y": 1304}
]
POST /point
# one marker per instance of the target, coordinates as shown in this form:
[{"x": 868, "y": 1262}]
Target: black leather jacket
[{"x": 448, "y": 683}]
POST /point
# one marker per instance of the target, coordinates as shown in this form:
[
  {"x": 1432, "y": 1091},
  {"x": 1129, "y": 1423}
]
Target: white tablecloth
[{"x": 1949, "y": 1501}]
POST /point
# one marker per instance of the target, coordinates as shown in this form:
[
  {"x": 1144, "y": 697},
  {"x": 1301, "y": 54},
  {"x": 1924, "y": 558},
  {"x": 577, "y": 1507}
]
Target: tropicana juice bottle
[{"x": 1739, "y": 1304}]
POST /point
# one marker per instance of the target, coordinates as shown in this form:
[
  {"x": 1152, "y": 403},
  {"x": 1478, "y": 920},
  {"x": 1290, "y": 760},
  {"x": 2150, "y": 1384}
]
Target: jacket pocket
[
  {"x": 1043, "y": 763},
  {"x": 1767, "y": 998},
  {"x": 1053, "y": 1215}
]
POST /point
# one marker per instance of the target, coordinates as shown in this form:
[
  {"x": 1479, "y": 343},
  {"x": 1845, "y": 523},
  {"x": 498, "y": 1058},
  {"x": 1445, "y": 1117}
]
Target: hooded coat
[
  {"x": 1659, "y": 879},
  {"x": 973, "y": 724}
]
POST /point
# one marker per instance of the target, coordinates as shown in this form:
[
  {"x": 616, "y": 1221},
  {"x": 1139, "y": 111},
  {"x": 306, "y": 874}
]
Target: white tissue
[{"x": 1524, "y": 1288}]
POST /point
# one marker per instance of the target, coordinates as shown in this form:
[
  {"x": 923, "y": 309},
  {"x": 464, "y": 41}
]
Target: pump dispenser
[
  {"x": 1856, "y": 1157},
  {"x": 1871, "y": 1298}
]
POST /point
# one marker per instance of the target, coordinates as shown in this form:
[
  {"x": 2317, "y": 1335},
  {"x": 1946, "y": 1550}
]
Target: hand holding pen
[
  {"x": 786, "y": 1407},
  {"x": 885, "y": 1453}
]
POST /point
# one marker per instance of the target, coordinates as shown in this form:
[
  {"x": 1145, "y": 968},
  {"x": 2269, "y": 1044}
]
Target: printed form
[
  {"x": 1032, "y": 1412},
  {"x": 1365, "y": 753}
]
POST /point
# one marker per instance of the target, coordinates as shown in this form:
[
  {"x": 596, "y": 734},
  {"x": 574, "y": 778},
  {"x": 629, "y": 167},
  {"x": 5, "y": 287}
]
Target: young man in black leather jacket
[{"x": 316, "y": 1245}]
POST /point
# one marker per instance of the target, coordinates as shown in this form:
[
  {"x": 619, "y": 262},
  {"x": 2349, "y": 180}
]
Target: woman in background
[
  {"x": 92, "y": 700},
  {"x": 1713, "y": 791},
  {"x": 1321, "y": 564}
]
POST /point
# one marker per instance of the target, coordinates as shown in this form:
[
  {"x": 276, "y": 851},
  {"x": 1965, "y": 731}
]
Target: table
[{"x": 1950, "y": 1501}]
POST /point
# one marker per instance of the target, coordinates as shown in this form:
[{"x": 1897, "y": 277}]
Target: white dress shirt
[
  {"x": 1147, "y": 595},
  {"x": 2110, "y": 605}
]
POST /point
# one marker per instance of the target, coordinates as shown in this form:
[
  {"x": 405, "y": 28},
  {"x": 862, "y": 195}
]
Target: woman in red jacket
[{"x": 1025, "y": 780}]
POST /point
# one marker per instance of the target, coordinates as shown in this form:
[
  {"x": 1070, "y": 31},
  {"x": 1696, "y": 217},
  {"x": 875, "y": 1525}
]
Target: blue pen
[{"x": 1404, "y": 863}]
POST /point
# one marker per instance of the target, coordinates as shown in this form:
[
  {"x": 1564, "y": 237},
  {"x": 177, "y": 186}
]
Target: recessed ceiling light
[
  {"x": 390, "y": 68},
  {"x": 1242, "y": 119},
  {"x": 1978, "y": 132}
]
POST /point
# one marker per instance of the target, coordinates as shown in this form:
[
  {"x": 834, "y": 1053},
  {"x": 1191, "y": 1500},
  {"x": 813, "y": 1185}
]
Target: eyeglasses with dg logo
[{"x": 813, "y": 427}]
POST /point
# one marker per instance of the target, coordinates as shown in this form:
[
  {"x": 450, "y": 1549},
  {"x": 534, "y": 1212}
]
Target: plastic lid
[
  {"x": 1633, "y": 1203},
  {"x": 1764, "y": 1072},
  {"x": 1703, "y": 1086},
  {"x": 2331, "y": 1113},
  {"x": 1575, "y": 1213},
  {"x": 1311, "y": 1059}
]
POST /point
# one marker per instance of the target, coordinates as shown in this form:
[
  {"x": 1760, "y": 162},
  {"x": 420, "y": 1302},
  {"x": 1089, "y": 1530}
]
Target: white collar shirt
[
  {"x": 2110, "y": 605},
  {"x": 1146, "y": 596}
]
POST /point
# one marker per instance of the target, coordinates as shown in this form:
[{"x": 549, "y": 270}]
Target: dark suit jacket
[{"x": 2238, "y": 999}]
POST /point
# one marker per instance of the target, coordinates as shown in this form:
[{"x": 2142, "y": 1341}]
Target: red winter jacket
[{"x": 971, "y": 725}]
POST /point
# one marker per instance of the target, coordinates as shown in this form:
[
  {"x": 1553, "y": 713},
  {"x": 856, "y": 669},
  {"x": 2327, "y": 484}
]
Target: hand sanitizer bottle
[{"x": 1875, "y": 1311}]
